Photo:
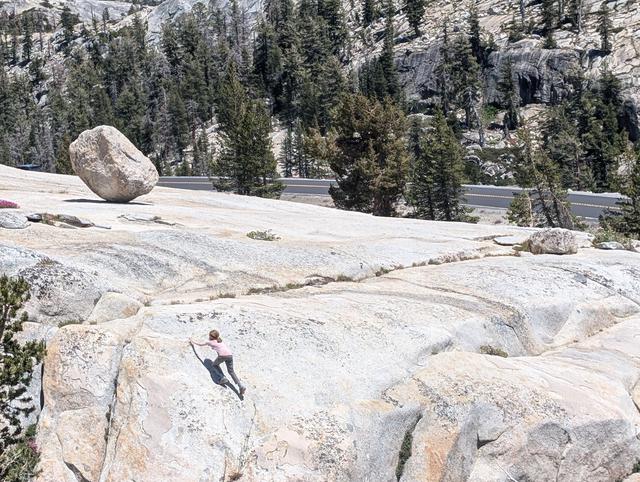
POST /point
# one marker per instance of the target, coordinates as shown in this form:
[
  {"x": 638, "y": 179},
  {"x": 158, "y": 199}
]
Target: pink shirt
[{"x": 220, "y": 347}]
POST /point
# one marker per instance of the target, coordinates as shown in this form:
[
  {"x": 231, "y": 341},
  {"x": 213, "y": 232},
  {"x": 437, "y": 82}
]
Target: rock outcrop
[
  {"x": 111, "y": 166},
  {"x": 377, "y": 345},
  {"x": 9, "y": 220},
  {"x": 553, "y": 241},
  {"x": 542, "y": 76}
]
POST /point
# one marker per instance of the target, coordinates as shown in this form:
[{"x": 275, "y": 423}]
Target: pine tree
[
  {"x": 415, "y": 12},
  {"x": 629, "y": 220},
  {"x": 521, "y": 211},
  {"x": 27, "y": 40},
  {"x": 420, "y": 193},
  {"x": 16, "y": 366},
  {"x": 444, "y": 73},
  {"x": 509, "y": 96},
  {"x": 466, "y": 80},
  {"x": 561, "y": 142},
  {"x": 368, "y": 155},
  {"x": 605, "y": 28},
  {"x": 68, "y": 20},
  {"x": 549, "y": 15},
  {"x": 550, "y": 21},
  {"x": 287, "y": 153},
  {"x": 515, "y": 28},
  {"x": 602, "y": 136},
  {"x": 335, "y": 28},
  {"x": 540, "y": 174},
  {"x": 246, "y": 164},
  {"x": 437, "y": 178},
  {"x": 574, "y": 14},
  {"x": 475, "y": 38},
  {"x": 385, "y": 68},
  {"x": 368, "y": 12}
]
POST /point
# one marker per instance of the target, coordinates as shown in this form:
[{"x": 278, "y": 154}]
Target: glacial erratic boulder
[
  {"x": 111, "y": 166},
  {"x": 553, "y": 241}
]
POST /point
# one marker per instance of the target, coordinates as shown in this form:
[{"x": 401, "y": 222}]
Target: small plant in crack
[
  {"x": 493, "y": 351},
  {"x": 343, "y": 278},
  {"x": 405, "y": 449}
]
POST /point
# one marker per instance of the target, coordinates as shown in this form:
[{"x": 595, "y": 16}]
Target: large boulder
[
  {"x": 111, "y": 166},
  {"x": 553, "y": 241}
]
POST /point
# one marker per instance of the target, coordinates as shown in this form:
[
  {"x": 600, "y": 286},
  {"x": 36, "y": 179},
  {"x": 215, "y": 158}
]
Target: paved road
[{"x": 585, "y": 204}]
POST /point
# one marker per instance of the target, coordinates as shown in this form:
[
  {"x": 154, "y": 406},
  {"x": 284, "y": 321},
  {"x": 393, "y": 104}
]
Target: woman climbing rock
[{"x": 224, "y": 356}]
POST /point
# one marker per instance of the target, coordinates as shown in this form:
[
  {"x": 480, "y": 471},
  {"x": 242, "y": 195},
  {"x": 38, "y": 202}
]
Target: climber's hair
[{"x": 215, "y": 335}]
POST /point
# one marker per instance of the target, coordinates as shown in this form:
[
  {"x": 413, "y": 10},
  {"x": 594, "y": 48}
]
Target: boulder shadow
[
  {"x": 102, "y": 201},
  {"x": 216, "y": 374}
]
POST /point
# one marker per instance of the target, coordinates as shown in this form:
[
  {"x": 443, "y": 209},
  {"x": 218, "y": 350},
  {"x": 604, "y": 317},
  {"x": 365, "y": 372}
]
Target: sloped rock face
[
  {"x": 358, "y": 363},
  {"x": 111, "y": 166},
  {"x": 381, "y": 344},
  {"x": 557, "y": 416}
]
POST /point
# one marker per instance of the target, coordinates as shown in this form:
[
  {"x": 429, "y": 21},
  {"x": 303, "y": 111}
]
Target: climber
[{"x": 224, "y": 356}]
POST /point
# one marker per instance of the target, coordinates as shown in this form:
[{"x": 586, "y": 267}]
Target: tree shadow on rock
[{"x": 216, "y": 374}]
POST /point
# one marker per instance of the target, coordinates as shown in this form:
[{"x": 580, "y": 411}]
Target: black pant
[{"x": 229, "y": 361}]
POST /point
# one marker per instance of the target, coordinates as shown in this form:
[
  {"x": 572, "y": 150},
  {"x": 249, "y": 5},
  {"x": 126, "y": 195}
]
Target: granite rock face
[
  {"x": 383, "y": 328},
  {"x": 111, "y": 166},
  {"x": 542, "y": 76}
]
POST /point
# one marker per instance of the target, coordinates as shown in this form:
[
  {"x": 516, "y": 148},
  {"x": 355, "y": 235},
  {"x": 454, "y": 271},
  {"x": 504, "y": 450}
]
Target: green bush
[
  {"x": 606, "y": 233},
  {"x": 18, "y": 462},
  {"x": 18, "y": 452},
  {"x": 262, "y": 235}
]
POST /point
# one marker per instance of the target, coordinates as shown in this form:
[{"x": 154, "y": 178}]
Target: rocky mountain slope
[
  {"x": 542, "y": 73},
  {"x": 355, "y": 335}
]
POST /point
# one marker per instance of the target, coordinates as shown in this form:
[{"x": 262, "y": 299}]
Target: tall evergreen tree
[
  {"x": 605, "y": 28},
  {"x": 368, "y": 155},
  {"x": 575, "y": 14},
  {"x": 381, "y": 75},
  {"x": 415, "y": 12},
  {"x": 561, "y": 142},
  {"x": 436, "y": 189},
  {"x": 475, "y": 37},
  {"x": 420, "y": 194},
  {"x": 246, "y": 164},
  {"x": 368, "y": 12},
  {"x": 509, "y": 96},
  {"x": 68, "y": 21},
  {"x": 444, "y": 72},
  {"x": 27, "y": 40},
  {"x": 538, "y": 173},
  {"x": 629, "y": 221},
  {"x": 466, "y": 80}
]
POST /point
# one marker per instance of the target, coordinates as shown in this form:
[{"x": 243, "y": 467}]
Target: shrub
[
  {"x": 341, "y": 278},
  {"x": 262, "y": 235},
  {"x": 8, "y": 204},
  {"x": 606, "y": 233},
  {"x": 18, "y": 453},
  {"x": 18, "y": 462},
  {"x": 490, "y": 350}
]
